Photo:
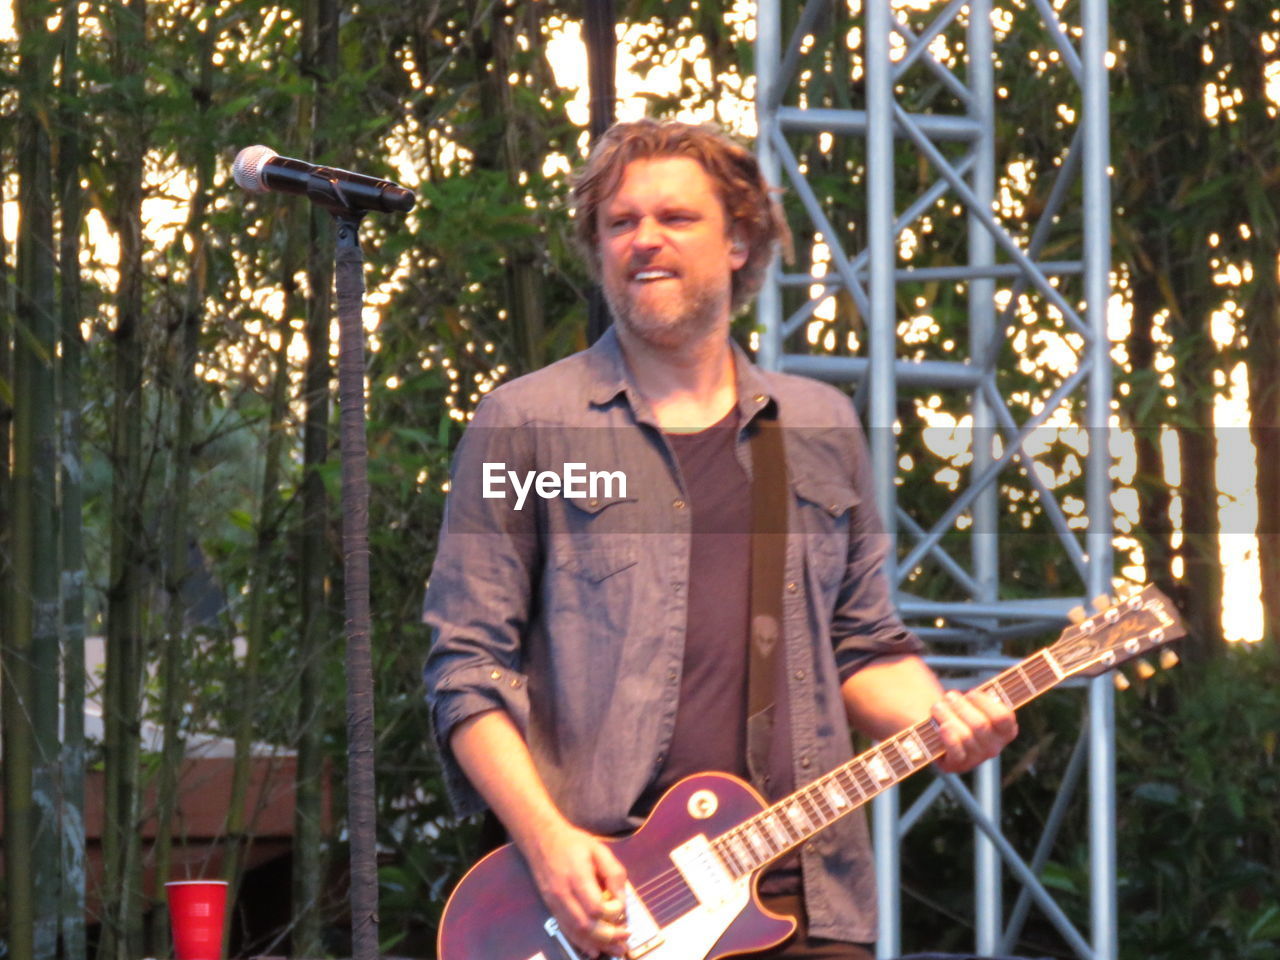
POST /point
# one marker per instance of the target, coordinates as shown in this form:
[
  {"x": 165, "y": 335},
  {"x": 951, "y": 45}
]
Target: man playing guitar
[{"x": 590, "y": 651}]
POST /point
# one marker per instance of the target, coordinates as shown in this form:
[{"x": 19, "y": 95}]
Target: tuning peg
[
  {"x": 1122, "y": 682},
  {"x": 1101, "y": 602},
  {"x": 1168, "y": 659},
  {"x": 1145, "y": 670},
  {"x": 1077, "y": 615}
]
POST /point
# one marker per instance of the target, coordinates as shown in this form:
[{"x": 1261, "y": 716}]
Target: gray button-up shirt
[{"x": 567, "y": 609}]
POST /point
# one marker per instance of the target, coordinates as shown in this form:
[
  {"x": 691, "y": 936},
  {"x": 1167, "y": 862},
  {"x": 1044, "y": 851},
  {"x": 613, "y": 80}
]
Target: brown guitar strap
[{"x": 768, "y": 558}]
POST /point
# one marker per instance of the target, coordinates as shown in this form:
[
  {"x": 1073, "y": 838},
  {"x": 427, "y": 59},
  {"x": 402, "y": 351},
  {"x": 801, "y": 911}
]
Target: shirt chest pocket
[
  {"x": 824, "y": 511},
  {"x": 595, "y": 542},
  {"x": 591, "y": 586}
]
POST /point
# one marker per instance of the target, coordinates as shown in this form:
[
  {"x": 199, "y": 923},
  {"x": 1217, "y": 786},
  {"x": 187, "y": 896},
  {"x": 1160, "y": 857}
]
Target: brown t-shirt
[{"x": 711, "y": 719}]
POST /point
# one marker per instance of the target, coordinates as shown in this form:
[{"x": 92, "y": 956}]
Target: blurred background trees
[{"x": 168, "y": 470}]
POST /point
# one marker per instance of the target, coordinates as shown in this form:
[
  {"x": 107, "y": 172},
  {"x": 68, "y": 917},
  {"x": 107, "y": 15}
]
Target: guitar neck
[{"x": 756, "y": 842}]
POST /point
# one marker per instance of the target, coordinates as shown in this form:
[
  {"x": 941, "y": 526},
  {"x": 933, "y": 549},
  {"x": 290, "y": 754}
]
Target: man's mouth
[{"x": 644, "y": 276}]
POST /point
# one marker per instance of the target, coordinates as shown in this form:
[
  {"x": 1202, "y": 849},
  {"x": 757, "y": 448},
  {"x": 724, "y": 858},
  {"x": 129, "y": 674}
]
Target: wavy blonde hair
[{"x": 750, "y": 204}]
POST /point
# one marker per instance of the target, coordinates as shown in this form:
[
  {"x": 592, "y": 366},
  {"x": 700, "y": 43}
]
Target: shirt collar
[{"x": 610, "y": 377}]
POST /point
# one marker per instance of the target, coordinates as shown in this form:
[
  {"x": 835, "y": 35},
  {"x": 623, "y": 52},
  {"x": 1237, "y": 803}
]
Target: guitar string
[
  {"x": 669, "y": 888},
  {"x": 1034, "y": 676}
]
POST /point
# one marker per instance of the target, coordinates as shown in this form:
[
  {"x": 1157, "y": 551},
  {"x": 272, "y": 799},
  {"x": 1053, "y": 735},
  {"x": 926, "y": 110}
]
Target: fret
[
  {"x": 997, "y": 689},
  {"x": 928, "y": 737},
  {"x": 1051, "y": 663},
  {"x": 899, "y": 765},
  {"x": 740, "y": 852},
  {"x": 914, "y": 747},
  {"x": 815, "y": 811},
  {"x": 756, "y": 841},
  {"x": 866, "y": 785},
  {"x": 1022, "y": 675},
  {"x": 909, "y": 762},
  {"x": 799, "y": 819},
  {"x": 879, "y": 768},
  {"x": 830, "y": 800},
  {"x": 775, "y": 828},
  {"x": 836, "y": 796},
  {"x": 725, "y": 849},
  {"x": 849, "y": 783}
]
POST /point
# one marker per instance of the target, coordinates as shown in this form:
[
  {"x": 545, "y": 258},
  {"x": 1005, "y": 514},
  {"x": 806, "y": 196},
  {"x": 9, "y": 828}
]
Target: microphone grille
[{"x": 247, "y": 168}]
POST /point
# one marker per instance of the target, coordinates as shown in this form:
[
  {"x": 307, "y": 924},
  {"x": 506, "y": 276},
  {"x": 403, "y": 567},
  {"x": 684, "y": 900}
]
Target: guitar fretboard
[{"x": 791, "y": 821}]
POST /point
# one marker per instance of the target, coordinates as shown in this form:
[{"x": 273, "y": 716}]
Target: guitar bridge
[
  {"x": 635, "y": 947},
  {"x": 646, "y": 936},
  {"x": 639, "y": 950}
]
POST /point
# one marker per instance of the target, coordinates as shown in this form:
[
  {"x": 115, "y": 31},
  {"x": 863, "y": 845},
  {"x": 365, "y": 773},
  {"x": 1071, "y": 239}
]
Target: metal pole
[
  {"x": 881, "y": 348},
  {"x": 984, "y": 548},
  {"x": 1097, "y": 289},
  {"x": 768, "y": 50},
  {"x": 361, "y": 799}
]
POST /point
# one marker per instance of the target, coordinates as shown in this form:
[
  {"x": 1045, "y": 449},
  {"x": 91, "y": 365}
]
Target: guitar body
[{"x": 496, "y": 912}]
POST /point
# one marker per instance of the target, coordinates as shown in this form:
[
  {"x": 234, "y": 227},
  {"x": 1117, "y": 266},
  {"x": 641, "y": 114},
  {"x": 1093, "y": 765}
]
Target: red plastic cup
[{"x": 196, "y": 911}]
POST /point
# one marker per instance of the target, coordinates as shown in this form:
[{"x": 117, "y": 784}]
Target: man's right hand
[
  {"x": 583, "y": 885},
  {"x": 576, "y": 873}
]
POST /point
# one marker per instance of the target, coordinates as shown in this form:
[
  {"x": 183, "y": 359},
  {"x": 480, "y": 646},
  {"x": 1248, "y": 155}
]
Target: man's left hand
[{"x": 974, "y": 727}]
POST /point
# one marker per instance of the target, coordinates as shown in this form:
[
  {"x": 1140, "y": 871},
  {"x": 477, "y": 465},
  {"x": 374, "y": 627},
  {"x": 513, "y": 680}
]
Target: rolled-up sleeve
[
  {"x": 865, "y": 624},
  {"x": 480, "y": 592}
]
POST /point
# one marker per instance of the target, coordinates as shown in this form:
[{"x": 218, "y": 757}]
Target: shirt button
[
  {"x": 515, "y": 684},
  {"x": 678, "y": 503},
  {"x": 495, "y": 675},
  {"x": 593, "y": 502},
  {"x": 804, "y": 763},
  {"x": 758, "y": 398},
  {"x": 673, "y": 675},
  {"x": 792, "y": 587},
  {"x": 799, "y": 674}
]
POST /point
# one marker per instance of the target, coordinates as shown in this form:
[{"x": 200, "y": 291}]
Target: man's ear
[{"x": 737, "y": 249}]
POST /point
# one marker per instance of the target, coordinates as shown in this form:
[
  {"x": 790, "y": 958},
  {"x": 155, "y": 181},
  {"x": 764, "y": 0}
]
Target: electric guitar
[{"x": 692, "y": 866}]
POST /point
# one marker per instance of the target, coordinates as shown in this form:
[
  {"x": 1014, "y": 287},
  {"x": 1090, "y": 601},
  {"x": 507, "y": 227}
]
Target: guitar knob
[
  {"x": 1122, "y": 682},
  {"x": 1077, "y": 615},
  {"x": 1145, "y": 670},
  {"x": 1168, "y": 659},
  {"x": 1101, "y": 602}
]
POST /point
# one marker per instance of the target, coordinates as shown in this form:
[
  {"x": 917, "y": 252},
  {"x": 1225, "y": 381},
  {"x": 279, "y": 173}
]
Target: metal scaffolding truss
[{"x": 923, "y": 94}]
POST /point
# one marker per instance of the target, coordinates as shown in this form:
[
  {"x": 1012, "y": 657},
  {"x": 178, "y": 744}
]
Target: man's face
[{"x": 666, "y": 254}]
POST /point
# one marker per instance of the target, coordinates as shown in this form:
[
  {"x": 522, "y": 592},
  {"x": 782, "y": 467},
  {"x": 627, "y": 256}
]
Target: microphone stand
[
  {"x": 324, "y": 187},
  {"x": 361, "y": 804}
]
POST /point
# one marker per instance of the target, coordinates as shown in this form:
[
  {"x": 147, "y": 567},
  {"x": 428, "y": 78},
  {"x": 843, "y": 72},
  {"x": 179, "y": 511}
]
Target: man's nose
[{"x": 647, "y": 235}]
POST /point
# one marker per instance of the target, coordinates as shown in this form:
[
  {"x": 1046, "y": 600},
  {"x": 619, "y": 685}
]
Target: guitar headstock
[{"x": 1123, "y": 628}]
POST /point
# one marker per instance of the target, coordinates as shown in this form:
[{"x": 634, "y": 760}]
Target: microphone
[{"x": 260, "y": 169}]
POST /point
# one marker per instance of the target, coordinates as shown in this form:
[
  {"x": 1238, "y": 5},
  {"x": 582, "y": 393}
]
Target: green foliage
[
  {"x": 1198, "y": 853},
  {"x": 1198, "y": 775}
]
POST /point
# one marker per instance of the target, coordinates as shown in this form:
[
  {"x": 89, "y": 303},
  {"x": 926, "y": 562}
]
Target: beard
[{"x": 673, "y": 320}]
